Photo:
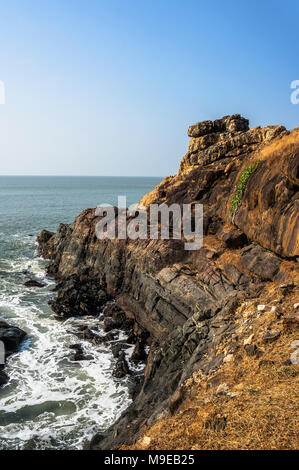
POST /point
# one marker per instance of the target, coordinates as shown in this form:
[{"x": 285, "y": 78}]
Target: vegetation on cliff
[{"x": 237, "y": 199}]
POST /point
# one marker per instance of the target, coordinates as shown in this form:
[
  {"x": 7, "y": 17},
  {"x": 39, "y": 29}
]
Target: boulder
[
  {"x": 261, "y": 262},
  {"x": 12, "y": 337},
  {"x": 121, "y": 368},
  {"x": 139, "y": 353}
]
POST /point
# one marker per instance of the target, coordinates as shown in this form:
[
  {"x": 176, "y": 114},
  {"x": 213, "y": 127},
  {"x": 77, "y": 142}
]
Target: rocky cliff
[{"x": 186, "y": 305}]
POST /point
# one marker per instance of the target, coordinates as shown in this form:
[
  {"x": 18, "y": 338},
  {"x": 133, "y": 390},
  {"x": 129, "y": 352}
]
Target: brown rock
[
  {"x": 271, "y": 336},
  {"x": 291, "y": 322},
  {"x": 261, "y": 262},
  {"x": 201, "y": 128}
]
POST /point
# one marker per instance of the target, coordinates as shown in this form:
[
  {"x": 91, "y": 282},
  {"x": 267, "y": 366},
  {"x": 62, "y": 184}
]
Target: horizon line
[{"x": 82, "y": 176}]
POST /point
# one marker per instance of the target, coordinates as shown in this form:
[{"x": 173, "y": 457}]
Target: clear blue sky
[{"x": 109, "y": 87}]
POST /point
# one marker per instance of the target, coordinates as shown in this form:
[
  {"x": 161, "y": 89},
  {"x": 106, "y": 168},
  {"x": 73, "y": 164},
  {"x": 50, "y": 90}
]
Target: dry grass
[
  {"x": 286, "y": 144},
  {"x": 259, "y": 409}
]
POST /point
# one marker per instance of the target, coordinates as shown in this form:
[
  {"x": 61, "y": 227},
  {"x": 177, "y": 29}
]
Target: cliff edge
[{"x": 214, "y": 319}]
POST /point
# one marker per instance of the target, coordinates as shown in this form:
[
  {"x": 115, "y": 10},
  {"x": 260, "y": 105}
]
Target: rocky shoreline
[
  {"x": 12, "y": 338},
  {"x": 182, "y": 305}
]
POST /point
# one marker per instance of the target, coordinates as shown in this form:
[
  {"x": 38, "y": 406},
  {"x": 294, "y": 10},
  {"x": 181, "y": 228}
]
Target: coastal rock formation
[
  {"x": 183, "y": 303},
  {"x": 11, "y": 337}
]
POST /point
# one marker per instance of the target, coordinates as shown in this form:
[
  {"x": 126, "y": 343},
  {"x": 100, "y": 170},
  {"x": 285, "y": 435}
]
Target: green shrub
[{"x": 237, "y": 199}]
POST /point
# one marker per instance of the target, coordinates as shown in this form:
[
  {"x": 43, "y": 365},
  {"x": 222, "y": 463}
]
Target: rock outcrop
[
  {"x": 183, "y": 303},
  {"x": 11, "y": 338}
]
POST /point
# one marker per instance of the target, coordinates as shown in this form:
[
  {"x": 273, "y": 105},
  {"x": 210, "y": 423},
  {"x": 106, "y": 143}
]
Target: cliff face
[{"x": 184, "y": 303}]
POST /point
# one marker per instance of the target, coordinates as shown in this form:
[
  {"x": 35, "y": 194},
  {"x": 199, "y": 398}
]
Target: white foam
[{"x": 89, "y": 398}]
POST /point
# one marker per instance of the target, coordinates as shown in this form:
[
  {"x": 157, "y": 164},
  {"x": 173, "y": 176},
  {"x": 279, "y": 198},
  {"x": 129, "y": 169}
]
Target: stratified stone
[
  {"x": 232, "y": 123},
  {"x": 201, "y": 128}
]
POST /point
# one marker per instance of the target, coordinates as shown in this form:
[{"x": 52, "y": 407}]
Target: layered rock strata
[{"x": 183, "y": 303}]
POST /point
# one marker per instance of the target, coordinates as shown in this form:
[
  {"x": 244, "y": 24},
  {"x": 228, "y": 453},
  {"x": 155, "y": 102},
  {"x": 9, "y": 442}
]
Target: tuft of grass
[{"x": 237, "y": 199}]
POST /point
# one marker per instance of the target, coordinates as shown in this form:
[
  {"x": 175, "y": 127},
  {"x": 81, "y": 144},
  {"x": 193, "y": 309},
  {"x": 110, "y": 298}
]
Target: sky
[{"x": 109, "y": 87}]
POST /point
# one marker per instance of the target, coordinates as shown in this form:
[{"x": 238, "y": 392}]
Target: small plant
[{"x": 237, "y": 199}]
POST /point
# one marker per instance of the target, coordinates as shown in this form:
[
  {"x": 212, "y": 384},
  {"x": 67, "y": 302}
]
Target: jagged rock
[
  {"x": 79, "y": 353},
  {"x": 89, "y": 335},
  {"x": 43, "y": 243},
  {"x": 139, "y": 353},
  {"x": 117, "y": 348},
  {"x": 231, "y": 138},
  {"x": 269, "y": 212},
  {"x": 185, "y": 301},
  {"x": 235, "y": 276},
  {"x": 200, "y": 129},
  {"x": 121, "y": 368},
  {"x": 79, "y": 295}
]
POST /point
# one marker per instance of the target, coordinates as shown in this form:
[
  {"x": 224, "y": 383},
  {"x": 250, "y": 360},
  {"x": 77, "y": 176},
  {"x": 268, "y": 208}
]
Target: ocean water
[{"x": 52, "y": 402}]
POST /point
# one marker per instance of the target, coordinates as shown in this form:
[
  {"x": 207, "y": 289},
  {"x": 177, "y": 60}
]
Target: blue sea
[{"x": 51, "y": 401}]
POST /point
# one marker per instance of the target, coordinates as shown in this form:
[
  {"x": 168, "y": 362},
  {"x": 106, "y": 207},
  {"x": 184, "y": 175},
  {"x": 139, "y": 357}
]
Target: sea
[{"x": 52, "y": 401}]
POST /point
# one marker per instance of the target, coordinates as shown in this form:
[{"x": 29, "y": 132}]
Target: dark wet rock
[
  {"x": 110, "y": 324},
  {"x": 33, "y": 283},
  {"x": 87, "y": 334},
  {"x": 79, "y": 295},
  {"x": 121, "y": 368},
  {"x": 79, "y": 353},
  {"x": 110, "y": 336},
  {"x": 135, "y": 385},
  {"x": 139, "y": 353},
  {"x": 80, "y": 356},
  {"x": 12, "y": 337},
  {"x": 96, "y": 440},
  {"x": 3, "y": 378},
  {"x": 111, "y": 309},
  {"x": 76, "y": 346},
  {"x": 117, "y": 348}
]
